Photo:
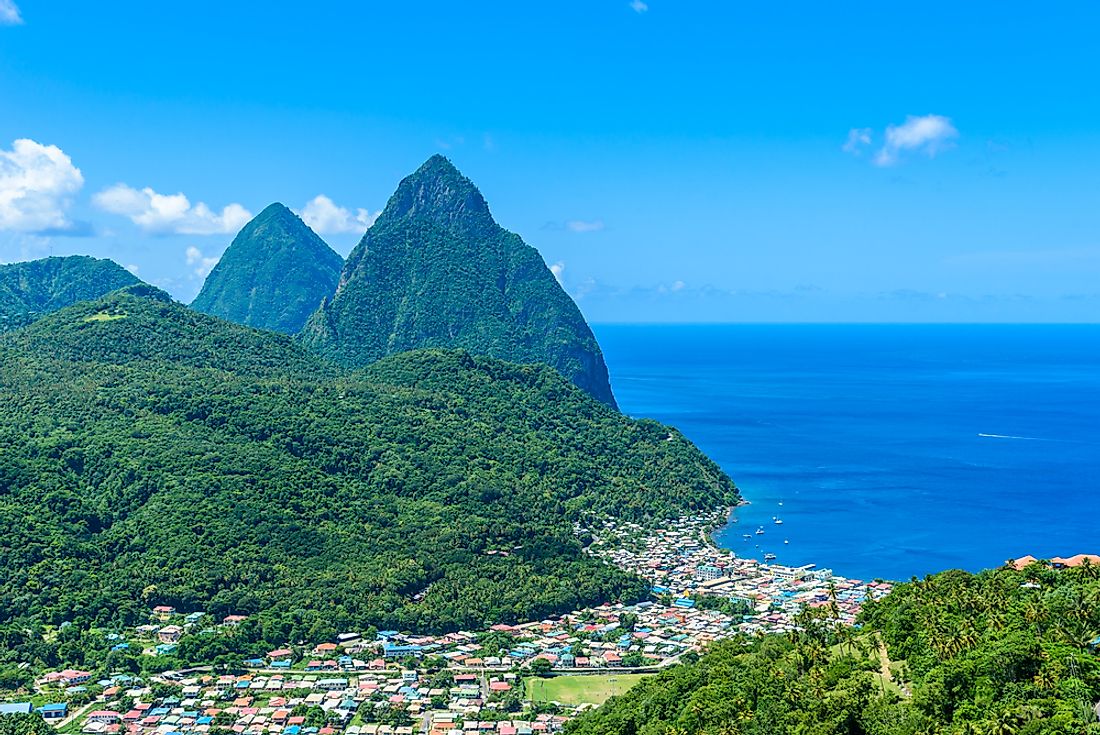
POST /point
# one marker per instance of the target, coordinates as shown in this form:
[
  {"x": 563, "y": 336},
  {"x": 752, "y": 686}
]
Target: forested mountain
[
  {"x": 150, "y": 455},
  {"x": 273, "y": 276},
  {"x": 1003, "y": 652},
  {"x": 36, "y": 287},
  {"x": 436, "y": 270}
]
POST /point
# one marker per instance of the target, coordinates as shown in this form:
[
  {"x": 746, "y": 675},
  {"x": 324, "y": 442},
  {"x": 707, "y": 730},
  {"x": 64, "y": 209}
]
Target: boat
[
  {"x": 786, "y": 541},
  {"x": 769, "y": 557},
  {"x": 747, "y": 536},
  {"x": 778, "y": 521},
  {"x": 759, "y": 531}
]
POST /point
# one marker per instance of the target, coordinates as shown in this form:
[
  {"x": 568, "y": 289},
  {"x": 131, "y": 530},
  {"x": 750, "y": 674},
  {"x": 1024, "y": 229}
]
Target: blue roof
[
  {"x": 204, "y": 720},
  {"x": 280, "y": 664},
  {"x": 683, "y": 602},
  {"x": 15, "y": 708},
  {"x": 292, "y": 730},
  {"x": 58, "y": 707}
]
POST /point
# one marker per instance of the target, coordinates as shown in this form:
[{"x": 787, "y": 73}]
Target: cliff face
[{"x": 436, "y": 270}]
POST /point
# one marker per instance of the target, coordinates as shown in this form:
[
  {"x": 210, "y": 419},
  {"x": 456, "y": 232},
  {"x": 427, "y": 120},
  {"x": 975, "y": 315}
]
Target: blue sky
[{"x": 674, "y": 160}]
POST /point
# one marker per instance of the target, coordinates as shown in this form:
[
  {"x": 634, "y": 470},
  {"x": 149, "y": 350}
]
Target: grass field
[
  {"x": 104, "y": 317},
  {"x": 579, "y": 689}
]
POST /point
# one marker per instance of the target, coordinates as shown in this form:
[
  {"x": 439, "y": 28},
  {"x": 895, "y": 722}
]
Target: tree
[
  {"x": 24, "y": 724},
  {"x": 540, "y": 667}
]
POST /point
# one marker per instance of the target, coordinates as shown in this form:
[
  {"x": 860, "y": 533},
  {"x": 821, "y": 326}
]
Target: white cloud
[
  {"x": 201, "y": 264},
  {"x": 857, "y": 139},
  {"x": 36, "y": 182},
  {"x": 558, "y": 269},
  {"x": 927, "y": 134},
  {"x": 167, "y": 214},
  {"x": 324, "y": 217},
  {"x": 577, "y": 225},
  {"x": 638, "y": 6},
  {"x": 9, "y": 13}
]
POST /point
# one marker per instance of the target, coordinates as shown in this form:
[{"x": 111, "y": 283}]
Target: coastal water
[{"x": 887, "y": 451}]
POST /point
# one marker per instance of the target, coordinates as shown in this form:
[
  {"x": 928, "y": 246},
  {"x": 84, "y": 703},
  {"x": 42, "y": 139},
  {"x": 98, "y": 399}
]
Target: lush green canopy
[{"x": 150, "y": 454}]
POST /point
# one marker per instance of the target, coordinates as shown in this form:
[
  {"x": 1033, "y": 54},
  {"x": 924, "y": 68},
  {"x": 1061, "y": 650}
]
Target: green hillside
[
  {"x": 33, "y": 288},
  {"x": 153, "y": 455},
  {"x": 436, "y": 270}
]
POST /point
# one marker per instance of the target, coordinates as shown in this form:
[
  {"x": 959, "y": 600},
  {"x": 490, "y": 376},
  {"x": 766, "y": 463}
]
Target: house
[
  {"x": 323, "y": 649},
  {"x": 68, "y": 677},
  {"x": 56, "y": 711},
  {"x": 104, "y": 715},
  {"x": 232, "y": 620},
  {"x": 169, "y": 634},
  {"x": 15, "y": 708},
  {"x": 280, "y": 654},
  {"x": 164, "y": 612}
]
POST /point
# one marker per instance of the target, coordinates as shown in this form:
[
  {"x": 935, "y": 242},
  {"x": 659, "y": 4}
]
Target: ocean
[{"x": 888, "y": 451}]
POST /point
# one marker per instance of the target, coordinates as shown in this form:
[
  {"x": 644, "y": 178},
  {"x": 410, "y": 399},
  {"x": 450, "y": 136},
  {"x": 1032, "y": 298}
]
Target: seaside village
[{"x": 461, "y": 683}]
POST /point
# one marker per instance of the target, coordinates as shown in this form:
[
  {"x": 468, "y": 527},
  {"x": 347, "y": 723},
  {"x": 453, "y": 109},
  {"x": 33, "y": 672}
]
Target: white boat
[
  {"x": 779, "y": 521},
  {"x": 786, "y": 541},
  {"x": 769, "y": 557},
  {"x": 760, "y": 531}
]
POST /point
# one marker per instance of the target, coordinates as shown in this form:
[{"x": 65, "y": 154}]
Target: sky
[{"x": 672, "y": 160}]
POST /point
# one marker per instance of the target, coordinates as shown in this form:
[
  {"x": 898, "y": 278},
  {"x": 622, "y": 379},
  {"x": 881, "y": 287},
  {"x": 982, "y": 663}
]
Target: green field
[{"x": 579, "y": 689}]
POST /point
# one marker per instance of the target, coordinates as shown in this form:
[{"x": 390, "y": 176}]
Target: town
[{"x": 509, "y": 679}]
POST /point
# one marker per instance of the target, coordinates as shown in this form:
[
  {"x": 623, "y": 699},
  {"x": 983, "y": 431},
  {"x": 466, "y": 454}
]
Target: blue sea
[{"x": 888, "y": 451}]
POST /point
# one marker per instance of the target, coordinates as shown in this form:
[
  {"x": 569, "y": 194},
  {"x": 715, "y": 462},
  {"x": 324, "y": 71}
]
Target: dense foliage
[
  {"x": 24, "y": 724},
  {"x": 153, "y": 455},
  {"x": 436, "y": 270},
  {"x": 273, "y": 275},
  {"x": 31, "y": 289},
  {"x": 996, "y": 653}
]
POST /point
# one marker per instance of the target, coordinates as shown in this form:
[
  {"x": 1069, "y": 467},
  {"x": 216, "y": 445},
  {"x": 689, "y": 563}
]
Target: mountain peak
[
  {"x": 273, "y": 275},
  {"x": 275, "y": 210},
  {"x": 436, "y": 271},
  {"x": 438, "y": 191}
]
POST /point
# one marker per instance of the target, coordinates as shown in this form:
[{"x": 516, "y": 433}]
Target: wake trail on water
[{"x": 1020, "y": 438}]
